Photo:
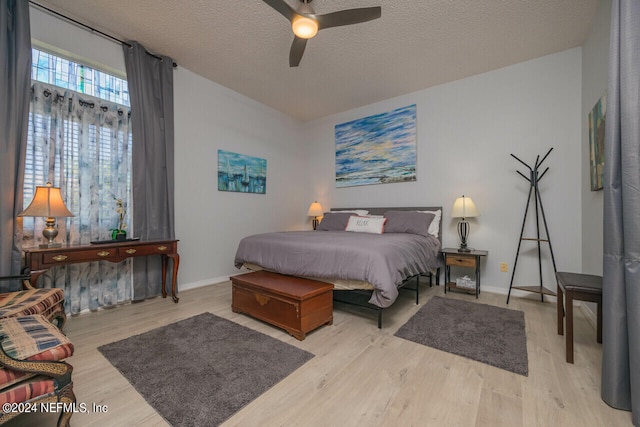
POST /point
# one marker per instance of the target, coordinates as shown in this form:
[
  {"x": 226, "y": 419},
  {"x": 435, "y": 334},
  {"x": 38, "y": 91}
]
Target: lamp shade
[
  {"x": 47, "y": 202},
  {"x": 464, "y": 207},
  {"x": 315, "y": 209}
]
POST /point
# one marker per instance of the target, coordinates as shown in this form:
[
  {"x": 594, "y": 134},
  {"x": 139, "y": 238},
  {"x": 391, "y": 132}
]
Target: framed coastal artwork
[
  {"x": 241, "y": 173},
  {"x": 596, "y": 142},
  {"x": 378, "y": 149}
]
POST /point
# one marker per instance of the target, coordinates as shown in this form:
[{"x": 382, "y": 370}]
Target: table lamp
[
  {"x": 48, "y": 203},
  {"x": 315, "y": 210},
  {"x": 463, "y": 208}
]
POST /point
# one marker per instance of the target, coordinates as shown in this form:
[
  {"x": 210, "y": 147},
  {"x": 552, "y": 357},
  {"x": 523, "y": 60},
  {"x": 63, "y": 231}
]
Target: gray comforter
[{"x": 384, "y": 260}]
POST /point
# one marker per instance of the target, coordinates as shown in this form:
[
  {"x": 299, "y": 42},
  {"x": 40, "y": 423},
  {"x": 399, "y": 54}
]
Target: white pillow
[
  {"x": 360, "y": 212},
  {"x": 363, "y": 224},
  {"x": 434, "y": 227}
]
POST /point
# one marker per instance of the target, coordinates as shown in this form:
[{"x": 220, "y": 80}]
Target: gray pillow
[
  {"x": 334, "y": 221},
  {"x": 408, "y": 222}
]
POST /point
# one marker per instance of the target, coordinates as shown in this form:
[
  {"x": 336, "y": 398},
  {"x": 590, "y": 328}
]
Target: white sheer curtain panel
[{"x": 82, "y": 145}]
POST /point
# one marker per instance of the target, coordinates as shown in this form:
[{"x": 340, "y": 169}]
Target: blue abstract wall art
[
  {"x": 241, "y": 173},
  {"x": 378, "y": 149}
]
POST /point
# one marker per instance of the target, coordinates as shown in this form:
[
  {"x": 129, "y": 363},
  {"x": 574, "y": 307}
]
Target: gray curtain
[
  {"x": 15, "y": 86},
  {"x": 621, "y": 268},
  {"x": 150, "y": 79}
]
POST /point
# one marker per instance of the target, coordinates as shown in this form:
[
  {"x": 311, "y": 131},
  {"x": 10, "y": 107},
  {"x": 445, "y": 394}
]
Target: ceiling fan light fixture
[{"x": 304, "y": 27}]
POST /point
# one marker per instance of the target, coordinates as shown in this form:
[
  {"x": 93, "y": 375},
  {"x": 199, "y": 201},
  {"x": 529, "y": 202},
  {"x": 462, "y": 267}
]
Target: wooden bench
[
  {"x": 574, "y": 286},
  {"x": 294, "y": 304}
]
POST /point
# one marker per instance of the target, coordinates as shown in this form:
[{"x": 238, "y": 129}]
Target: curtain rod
[{"x": 93, "y": 30}]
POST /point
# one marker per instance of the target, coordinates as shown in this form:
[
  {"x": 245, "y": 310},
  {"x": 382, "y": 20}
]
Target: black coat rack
[{"x": 534, "y": 178}]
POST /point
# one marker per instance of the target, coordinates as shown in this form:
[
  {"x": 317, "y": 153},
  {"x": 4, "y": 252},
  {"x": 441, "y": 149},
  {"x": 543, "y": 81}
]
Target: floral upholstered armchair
[
  {"x": 30, "y": 300},
  {"x": 33, "y": 375}
]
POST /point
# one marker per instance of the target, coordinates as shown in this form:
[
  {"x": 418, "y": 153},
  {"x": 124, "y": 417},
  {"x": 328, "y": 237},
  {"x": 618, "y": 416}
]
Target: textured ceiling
[{"x": 416, "y": 44}]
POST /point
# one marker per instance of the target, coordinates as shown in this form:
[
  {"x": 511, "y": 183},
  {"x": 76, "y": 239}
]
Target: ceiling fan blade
[
  {"x": 282, "y": 7},
  {"x": 297, "y": 49},
  {"x": 348, "y": 17}
]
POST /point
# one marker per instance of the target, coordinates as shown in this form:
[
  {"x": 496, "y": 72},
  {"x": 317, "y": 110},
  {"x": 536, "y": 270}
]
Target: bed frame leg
[
  {"x": 379, "y": 318},
  {"x": 418, "y": 289}
]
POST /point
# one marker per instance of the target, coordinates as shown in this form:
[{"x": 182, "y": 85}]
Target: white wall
[
  {"x": 73, "y": 42},
  {"x": 210, "y": 223},
  {"x": 595, "y": 61},
  {"x": 466, "y": 132}
]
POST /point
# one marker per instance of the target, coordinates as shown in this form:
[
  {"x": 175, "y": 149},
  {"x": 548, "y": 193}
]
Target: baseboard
[
  {"x": 517, "y": 293},
  {"x": 206, "y": 282},
  {"x": 589, "y": 314}
]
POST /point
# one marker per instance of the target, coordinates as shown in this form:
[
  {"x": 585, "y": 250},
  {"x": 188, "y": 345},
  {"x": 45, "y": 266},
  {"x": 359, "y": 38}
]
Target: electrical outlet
[{"x": 503, "y": 267}]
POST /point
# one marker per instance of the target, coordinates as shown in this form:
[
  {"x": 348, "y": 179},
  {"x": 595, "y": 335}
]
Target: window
[
  {"x": 76, "y": 123},
  {"x": 61, "y": 72},
  {"x": 80, "y": 140}
]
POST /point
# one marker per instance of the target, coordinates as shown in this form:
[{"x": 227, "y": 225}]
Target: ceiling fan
[{"x": 306, "y": 24}]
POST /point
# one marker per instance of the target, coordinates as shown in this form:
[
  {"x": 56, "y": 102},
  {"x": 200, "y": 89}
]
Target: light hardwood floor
[{"x": 362, "y": 376}]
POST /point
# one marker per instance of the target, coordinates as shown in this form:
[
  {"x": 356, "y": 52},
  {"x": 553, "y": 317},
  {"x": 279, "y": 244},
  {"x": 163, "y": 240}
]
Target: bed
[{"x": 367, "y": 268}]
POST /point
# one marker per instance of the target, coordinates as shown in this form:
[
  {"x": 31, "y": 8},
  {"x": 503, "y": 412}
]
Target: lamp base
[
  {"x": 463, "y": 233},
  {"x": 50, "y": 245},
  {"x": 49, "y": 233}
]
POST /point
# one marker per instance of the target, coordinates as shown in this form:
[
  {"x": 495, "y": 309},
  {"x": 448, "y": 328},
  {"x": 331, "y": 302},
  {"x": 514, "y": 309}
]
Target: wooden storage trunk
[{"x": 294, "y": 304}]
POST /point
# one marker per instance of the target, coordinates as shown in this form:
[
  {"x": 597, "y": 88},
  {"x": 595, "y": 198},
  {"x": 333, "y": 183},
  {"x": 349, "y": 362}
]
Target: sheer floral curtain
[{"x": 81, "y": 144}]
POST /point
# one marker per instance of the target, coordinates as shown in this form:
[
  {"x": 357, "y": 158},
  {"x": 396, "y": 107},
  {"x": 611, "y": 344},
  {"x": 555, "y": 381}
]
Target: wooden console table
[{"x": 38, "y": 261}]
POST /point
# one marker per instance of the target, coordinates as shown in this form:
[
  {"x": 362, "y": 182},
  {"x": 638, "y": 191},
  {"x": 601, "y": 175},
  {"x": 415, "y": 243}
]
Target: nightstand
[{"x": 461, "y": 259}]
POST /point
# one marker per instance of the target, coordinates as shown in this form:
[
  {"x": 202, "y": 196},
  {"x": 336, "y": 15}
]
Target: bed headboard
[{"x": 381, "y": 211}]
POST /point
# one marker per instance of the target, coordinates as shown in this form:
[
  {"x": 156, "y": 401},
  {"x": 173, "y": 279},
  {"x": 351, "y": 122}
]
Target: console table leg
[
  {"x": 174, "y": 281},
  {"x": 164, "y": 276}
]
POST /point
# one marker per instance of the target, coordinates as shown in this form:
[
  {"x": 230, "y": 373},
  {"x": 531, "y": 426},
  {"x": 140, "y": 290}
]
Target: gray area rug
[
  {"x": 202, "y": 370},
  {"x": 492, "y": 335}
]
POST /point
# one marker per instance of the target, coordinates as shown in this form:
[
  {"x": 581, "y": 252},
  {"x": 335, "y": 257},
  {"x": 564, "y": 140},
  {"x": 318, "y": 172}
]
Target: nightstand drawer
[{"x": 462, "y": 261}]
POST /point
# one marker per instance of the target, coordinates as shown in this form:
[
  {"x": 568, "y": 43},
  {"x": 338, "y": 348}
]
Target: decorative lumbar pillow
[
  {"x": 365, "y": 224},
  {"x": 408, "y": 222},
  {"x": 334, "y": 221},
  {"x": 434, "y": 227}
]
